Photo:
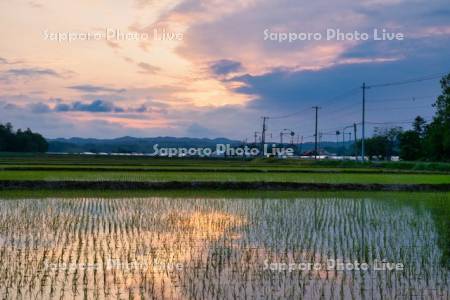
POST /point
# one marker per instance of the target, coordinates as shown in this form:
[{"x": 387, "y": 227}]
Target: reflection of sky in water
[{"x": 219, "y": 242}]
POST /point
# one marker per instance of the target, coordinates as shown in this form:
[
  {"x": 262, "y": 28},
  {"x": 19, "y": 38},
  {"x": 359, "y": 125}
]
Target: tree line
[
  {"x": 21, "y": 140},
  {"x": 425, "y": 141}
]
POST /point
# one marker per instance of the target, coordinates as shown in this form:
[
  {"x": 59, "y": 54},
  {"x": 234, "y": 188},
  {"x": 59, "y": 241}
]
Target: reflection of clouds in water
[
  {"x": 136, "y": 241},
  {"x": 18, "y": 242}
]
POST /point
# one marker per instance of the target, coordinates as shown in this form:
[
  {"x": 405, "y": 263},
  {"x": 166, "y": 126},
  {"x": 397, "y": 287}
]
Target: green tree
[
  {"x": 411, "y": 141},
  {"x": 437, "y": 138},
  {"x": 419, "y": 126},
  {"x": 384, "y": 143},
  {"x": 21, "y": 141},
  {"x": 410, "y": 146},
  {"x": 376, "y": 146}
]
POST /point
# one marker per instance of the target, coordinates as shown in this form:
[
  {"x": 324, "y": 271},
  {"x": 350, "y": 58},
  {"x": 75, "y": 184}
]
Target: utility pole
[
  {"x": 245, "y": 145},
  {"x": 363, "y": 135},
  {"x": 343, "y": 144},
  {"x": 349, "y": 137},
  {"x": 287, "y": 132},
  {"x": 355, "y": 145},
  {"x": 343, "y": 138},
  {"x": 315, "y": 134},
  {"x": 256, "y": 137},
  {"x": 263, "y": 135},
  {"x": 301, "y": 146}
]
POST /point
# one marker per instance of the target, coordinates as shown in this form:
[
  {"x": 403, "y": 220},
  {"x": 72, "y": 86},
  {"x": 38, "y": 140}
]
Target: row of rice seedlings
[{"x": 214, "y": 248}]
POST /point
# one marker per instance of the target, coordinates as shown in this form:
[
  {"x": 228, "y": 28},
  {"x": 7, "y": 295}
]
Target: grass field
[
  {"x": 28, "y": 160},
  {"x": 226, "y": 176},
  {"x": 117, "y": 168}
]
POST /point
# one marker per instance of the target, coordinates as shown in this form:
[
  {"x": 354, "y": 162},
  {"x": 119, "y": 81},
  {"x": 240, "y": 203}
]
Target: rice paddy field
[
  {"x": 110, "y": 168},
  {"x": 223, "y": 245},
  {"x": 225, "y": 176}
]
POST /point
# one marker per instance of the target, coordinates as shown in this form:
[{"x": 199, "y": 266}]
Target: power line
[
  {"x": 364, "y": 87},
  {"x": 351, "y": 108},
  {"x": 344, "y": 108},
  {"x": 333, "y": 130},
  {"x": 403, "y": 99},
  {"x": 351, "y": 112},
  {"x": 396, "y": 122},
  {"x": 425, "y": 78},
  {"x": 354, "y": 90},
  {"x": 409, "y": 121},
  {"x": 289, "y": 115},
  {"x": 400, "y": 108},
  {"x": 347, "y": 93}
]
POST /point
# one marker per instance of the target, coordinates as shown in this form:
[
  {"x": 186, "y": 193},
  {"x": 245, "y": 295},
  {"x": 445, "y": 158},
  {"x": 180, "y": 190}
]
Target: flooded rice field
[{"x": 187, "y": 248}]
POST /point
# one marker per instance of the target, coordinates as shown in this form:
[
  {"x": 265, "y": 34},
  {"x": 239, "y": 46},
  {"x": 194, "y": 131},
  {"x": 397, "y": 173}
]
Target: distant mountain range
[{"x": 129, "y": 144}]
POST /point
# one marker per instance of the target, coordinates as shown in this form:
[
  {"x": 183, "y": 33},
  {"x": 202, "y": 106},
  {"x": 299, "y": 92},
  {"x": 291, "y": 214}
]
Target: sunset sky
[{"x": 214, "y": 74}]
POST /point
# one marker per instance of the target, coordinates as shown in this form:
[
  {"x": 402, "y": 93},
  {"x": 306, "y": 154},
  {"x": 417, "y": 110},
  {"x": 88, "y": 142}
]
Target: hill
[{"x": 129, "y": 144}]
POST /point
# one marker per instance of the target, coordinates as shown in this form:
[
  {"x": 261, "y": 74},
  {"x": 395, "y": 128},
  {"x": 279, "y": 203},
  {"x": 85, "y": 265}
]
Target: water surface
[{"x": 182, "y": 248}]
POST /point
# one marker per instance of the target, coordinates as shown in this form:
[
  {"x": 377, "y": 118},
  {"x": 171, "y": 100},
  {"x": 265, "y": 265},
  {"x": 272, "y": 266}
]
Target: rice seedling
[{"x": 193, "y": 248}]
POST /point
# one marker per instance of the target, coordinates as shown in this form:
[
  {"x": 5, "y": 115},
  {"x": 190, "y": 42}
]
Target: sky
[{"x": 145, "y": 68}]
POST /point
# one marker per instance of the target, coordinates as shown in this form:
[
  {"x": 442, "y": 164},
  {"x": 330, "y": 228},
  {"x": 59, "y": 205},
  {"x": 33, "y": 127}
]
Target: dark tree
[
  {"x": 411, "y": 141},
  {"x": 384, "y": 143},
  {"x": 21, "y": 141},
  {"x": 419, "y": 126},
  {"x": 437, "y": 139},
  {"x": 410, "y": 146}
]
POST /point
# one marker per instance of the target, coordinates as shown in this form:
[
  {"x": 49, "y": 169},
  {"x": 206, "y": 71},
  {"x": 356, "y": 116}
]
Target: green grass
[
  {"x": 101, "y": 160},
  {"x": 227, "y": 176},
  {"x": 202, "y": 167},
  {"x": 117, "y": 168}
]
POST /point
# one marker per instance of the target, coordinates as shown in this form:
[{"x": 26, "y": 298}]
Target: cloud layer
[{"x": 223, "y": 75}]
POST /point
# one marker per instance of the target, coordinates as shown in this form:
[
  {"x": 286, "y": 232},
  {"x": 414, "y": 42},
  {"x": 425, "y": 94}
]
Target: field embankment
[{"x": 216, "y": 185}]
